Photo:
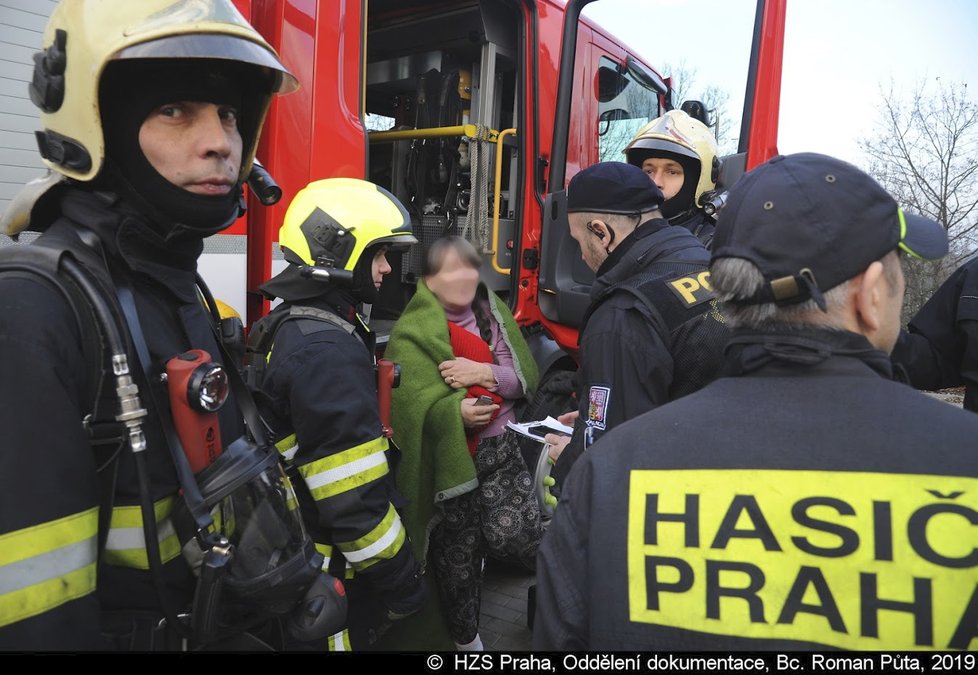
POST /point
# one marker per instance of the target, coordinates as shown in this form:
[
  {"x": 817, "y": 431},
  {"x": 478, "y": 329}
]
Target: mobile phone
[{"x": 483, "y": 400}]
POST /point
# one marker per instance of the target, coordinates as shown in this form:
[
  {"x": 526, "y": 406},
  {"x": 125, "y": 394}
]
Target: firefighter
[
  {"x": 940, "y": 349},
  {"x": 151, "y": 116},
  {"x": 803, "y": 501},
  {"x": 679, "y": 154},
  {"x": 321, "y": 392},
  {"x": 651, "y": 332}
]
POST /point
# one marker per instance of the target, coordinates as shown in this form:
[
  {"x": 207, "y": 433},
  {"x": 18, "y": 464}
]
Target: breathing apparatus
[
  {"x": 237, "y": 521},
  {"x": 105, "y": 63}
]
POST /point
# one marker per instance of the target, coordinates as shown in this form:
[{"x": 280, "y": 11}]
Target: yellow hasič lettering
[{"x": 847, "y": 559}]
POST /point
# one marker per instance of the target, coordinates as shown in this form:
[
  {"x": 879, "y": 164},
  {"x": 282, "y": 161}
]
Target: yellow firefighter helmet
[{"x": 331, "y": 222}]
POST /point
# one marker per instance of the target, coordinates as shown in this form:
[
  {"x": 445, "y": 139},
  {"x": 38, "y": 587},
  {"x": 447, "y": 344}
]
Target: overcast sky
[{"x": 838, "y": 53}]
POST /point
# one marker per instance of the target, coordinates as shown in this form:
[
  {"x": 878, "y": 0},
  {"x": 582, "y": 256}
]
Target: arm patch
[{"x": 692, "y": 290}]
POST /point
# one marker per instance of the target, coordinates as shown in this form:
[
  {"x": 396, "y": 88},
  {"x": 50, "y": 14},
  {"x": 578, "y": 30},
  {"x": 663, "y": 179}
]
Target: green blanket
[{"x": 435, "y": 464}]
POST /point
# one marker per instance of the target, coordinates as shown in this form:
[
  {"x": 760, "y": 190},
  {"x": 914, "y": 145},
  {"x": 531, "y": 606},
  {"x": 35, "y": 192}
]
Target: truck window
[{"x": 624, "y": 105}]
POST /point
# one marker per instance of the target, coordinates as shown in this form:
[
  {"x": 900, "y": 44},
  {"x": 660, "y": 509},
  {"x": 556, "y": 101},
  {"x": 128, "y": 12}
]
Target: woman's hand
[
  {"x": 474, "y": 416},
  {"x": 463, "y": 373}
]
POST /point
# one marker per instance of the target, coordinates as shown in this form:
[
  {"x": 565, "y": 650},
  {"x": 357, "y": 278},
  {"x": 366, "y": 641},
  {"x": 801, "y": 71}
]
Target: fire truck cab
[{"x": 474, "y": 113}]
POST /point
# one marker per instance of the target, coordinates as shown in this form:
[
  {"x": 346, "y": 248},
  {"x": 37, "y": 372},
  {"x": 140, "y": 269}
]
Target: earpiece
[{"x": 597, "y": 233}]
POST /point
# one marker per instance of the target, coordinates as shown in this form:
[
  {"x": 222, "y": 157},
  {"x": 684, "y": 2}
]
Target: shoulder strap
[
  {"x": 262, "y": 336},
  {"x": 106, "y": 435},
  {"x": 305, "y": 312}
]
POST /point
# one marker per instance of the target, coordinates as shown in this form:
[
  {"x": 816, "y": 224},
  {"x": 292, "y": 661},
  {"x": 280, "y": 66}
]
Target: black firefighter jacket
[
  {"x": 321, "y": 387},
  {"x": 49, "y": 496},
  {"x": 803, "y": 501}
]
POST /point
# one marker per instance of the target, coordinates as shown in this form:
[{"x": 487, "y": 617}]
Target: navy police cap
[
  {"x": 809, "y": 222},
  {"x": 612, "y": 187}
]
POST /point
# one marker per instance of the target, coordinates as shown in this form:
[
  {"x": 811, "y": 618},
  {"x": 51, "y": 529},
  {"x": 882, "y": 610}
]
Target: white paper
[{"x": 548, "y": 425}]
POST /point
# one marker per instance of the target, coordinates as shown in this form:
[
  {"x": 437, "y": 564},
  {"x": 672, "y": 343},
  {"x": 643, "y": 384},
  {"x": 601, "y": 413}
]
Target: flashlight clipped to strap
[{"x": 198, "y": 387}]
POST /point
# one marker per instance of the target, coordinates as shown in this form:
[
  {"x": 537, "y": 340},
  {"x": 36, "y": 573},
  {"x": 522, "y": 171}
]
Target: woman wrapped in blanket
[{"x": 464, "y": 365}]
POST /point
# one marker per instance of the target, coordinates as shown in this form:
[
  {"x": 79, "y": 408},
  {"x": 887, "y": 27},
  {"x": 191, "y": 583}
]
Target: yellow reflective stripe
[
  {"x": 381, "y": 543},
  {"x": 44, "y": 566},
  {"x": 132, "y": 516},
  {"x": 347, "y": 470},
  {"x": 340, "y": 642},
  {"x": 327, "y": 551},
  {"x": 47, "y": 537},
  {"x": 125, "y": 545},
  {"x": 287, "y": 447},
  {"x": 47, "y": 595}
]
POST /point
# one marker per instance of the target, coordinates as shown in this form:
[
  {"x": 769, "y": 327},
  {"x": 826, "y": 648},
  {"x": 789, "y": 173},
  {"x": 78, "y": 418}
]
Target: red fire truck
[{"x": 474, "y": 113}]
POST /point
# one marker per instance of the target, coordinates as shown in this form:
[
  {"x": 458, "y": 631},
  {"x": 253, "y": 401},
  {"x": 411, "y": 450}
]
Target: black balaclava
[
  {"x": 363, "y": 278},
  {"x": 130, "y": 91},
  {"x": 683, "y": 201}
]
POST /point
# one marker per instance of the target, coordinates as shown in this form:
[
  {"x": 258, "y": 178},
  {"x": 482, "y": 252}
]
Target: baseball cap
[
  {"x": 809, "y": 222},
  {"x": 612, "y": 187}
]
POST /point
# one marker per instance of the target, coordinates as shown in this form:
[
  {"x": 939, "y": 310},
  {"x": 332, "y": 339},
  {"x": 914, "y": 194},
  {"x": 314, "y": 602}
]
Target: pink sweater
[{"x": 507, "y": 383}]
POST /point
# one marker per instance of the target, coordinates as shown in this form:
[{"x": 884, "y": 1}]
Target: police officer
[
  {"x": 151, "y": 116},
  {"x": 679, "y": 154},
  {"x": 819, "y": 504},
  {"x": 651, "y": 333},
  {"x": 940, "y": 349},
  {"x": 322, "y": 392}
]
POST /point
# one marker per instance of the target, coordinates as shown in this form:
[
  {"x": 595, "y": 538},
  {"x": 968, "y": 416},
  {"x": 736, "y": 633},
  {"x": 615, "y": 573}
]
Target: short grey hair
[
  {"x": 620, "y": 222},
  {"x": 736, "y": 279}
]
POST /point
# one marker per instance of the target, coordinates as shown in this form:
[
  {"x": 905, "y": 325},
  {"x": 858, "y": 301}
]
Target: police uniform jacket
[
  {"x": 322, "y": 389},
  {"x": 804, "y": 500},
  {"x": 627, "y": 364},
  {"x": 941, "y": 348},
  {"x": 49, "y": 486}
]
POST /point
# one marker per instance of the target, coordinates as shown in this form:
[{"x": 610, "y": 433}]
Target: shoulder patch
[
  {"x": 597, "y": 407},
  {"x": 692, "y": 290}
]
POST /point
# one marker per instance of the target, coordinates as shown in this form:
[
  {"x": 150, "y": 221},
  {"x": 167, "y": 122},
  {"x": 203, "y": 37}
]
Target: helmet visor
[{"x": 212, "y": 46}]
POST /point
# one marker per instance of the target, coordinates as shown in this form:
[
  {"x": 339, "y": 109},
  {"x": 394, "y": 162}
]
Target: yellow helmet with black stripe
[{"x": 331, "y": 222}]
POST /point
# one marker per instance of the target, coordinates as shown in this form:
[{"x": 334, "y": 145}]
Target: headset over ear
[{"x": 598, "y": 233}]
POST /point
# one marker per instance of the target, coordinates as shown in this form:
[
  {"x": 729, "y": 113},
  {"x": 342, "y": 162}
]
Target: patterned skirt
[{"x": 501, "y": 518}]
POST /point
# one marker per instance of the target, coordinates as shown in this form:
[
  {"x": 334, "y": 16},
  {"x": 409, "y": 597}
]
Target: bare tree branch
[{"x": 925, "y": 152}]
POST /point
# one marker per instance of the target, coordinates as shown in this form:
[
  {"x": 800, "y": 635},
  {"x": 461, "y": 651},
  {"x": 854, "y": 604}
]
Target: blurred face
[
  {"x": 194, "y": 145},
  {"x": 593, "y": 249},
  {"x": 667, "y": 174},
  {"x": 455, "y": 283},
  {"x": 379, "y": 267}
]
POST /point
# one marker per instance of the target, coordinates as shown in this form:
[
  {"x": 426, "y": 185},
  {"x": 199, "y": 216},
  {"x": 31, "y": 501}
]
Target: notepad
[{"x": 537, "y": 430}]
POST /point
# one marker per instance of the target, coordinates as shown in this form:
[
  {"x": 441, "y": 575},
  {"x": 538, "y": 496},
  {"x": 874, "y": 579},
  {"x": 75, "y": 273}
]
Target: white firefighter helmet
[
  {"x": 679, "y": 135},
  {"x": 83, "y": 36}
]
